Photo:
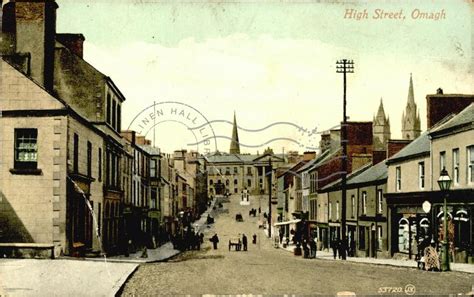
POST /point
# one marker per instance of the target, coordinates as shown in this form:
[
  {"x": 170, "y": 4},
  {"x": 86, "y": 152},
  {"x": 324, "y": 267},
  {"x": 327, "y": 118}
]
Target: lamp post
[{"x": 444, "y": 183}]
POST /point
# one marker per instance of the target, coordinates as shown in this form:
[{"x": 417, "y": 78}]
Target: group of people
[
  {"x": 188, "y": 240},
  {"x": 310, "y": 247},
  {"x": 253, "y": 212},
  {"x": 339, "y": 248}
]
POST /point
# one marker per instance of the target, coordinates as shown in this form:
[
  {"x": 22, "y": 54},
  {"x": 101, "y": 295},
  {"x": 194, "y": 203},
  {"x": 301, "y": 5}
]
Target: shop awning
[{"x": 287, "y": 222}]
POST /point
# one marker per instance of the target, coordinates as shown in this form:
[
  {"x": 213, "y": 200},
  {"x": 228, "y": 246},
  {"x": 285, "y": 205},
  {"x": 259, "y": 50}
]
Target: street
[{"x": 264, "y": 269}]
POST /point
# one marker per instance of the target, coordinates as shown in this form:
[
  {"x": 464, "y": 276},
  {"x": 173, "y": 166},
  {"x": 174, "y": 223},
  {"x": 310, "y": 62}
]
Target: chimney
[
  {"x": 440, "y": 105},
  {"x": 309, "y": 156},
  {"x": 395, "y": 145},
  {"x": 378, "y": 156},
  {"x": 74, "y": 42},
  {"x": 35, "y": 26}
]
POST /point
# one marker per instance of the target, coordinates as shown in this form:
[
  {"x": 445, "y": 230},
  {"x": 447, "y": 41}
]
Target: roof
[
  {"x": 417, "y": 147},
  {"x": 320, "y": 160},
  {"x": 219, "y": 157},
  {"x": 150, "y": 149},
  {"x": 464, "y": 118},
  {"x": 335, "y": 184},
  {"x": 373, "y": 173}
]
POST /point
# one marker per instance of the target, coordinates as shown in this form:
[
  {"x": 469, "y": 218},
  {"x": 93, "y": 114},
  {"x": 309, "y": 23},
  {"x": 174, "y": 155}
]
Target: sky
[{"x": 273, "y": 63}]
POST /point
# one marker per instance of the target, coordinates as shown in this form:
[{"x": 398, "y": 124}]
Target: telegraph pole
[
  {"x": 344, "y": 66},
  {"x": 270, "y": 198}
]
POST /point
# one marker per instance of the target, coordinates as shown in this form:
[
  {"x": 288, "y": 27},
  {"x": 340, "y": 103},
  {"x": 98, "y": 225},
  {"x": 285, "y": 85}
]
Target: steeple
[
  {"x": 381, "y": 129},
  {"x": 411, "y": 117},
  {"x": 234, "y": 144}
]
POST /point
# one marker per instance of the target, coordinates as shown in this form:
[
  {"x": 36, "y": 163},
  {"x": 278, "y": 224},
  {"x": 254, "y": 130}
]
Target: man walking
[
  {"x": 334, "y": 247},
  {"x": 244, "y": 242},
  {"x": 214, "y": 239}
]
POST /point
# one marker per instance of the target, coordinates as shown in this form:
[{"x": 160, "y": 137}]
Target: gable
[{"x": 18, "y": 92}]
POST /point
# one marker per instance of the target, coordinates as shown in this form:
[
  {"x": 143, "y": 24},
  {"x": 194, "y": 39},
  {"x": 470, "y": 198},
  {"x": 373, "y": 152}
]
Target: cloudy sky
[{"x": 272, "y": 61}]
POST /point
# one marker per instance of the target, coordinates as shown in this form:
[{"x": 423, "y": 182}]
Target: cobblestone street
[{"x": 264, "y": 269}]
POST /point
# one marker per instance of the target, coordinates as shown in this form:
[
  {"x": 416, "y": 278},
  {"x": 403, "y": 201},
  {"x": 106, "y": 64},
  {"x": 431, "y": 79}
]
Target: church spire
[
  {"x": 411, "y": 96},
  {"x": 234, "y": 144},
  {"x": 380, "y": 129},
  {"x": 410, "y": 119}
]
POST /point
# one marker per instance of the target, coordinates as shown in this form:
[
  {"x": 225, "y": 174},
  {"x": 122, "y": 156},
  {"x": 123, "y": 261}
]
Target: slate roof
[
  {"x": 150, "y": 149},
  {"x": 417, "y": 147},
  {"x": 373, "y": 173}
]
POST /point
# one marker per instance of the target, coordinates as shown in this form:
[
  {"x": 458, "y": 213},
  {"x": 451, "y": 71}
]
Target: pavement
[
  {"x": 324, "y": 255},
  {"x": 35, "y": 277},
  {"x": 80, "y": 276}
]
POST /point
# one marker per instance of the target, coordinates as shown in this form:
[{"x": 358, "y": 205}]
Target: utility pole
[
  {"x": 270, "y": 198},
  {"x": 344, "y": 66}
]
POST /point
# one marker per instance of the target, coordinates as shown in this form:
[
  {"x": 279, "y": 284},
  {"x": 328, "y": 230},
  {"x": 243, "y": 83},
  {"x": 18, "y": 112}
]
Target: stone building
[{"x": 62, "y": 135}]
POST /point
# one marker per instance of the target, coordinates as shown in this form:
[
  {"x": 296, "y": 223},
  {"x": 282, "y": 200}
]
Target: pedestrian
[
  {"x": 201, "y": 237},
  {"x": 334, "y": 247},
  {"x": 214, "y": 239},
  {"x": 312, "y": 246},
  {"x": 254, "y": 239},
  {"x": 244, "y": 241},
  {"x": 340, "y": 247},
  {"x": 259, "y": 210},
  {"x": 315, "y": 246},
  {"x": 305, "y": 249}
]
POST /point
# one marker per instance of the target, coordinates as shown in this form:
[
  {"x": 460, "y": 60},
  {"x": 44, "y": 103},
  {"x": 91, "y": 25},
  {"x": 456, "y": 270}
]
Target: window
[
  {"x": 211, "y": 182},
  {"x": 226, "y": 182},
  {"x": 379, "y": 237},
  {"x": 26, "y": 149},
  {"x": 108, "y": 108},
  {"x": 235, "y": 182},
  {"x": 337, "y": 210},
  {"x": 470, "y": 164},
  {"x": 153, "y": 197},
  {"x": 379, "y": 201},
  {"x": 152, "y": 168},
  {"x": 99, "y": 217},
  {"x": 456, "y": 166},
  {"x": 421, "y": 175},
  {"x": 442, "y": 160},
  {"x": 227, "y": 170},
  {"x": 352, "y": 206},
  {"x": 100, "y": 164},
  {"x": 119, "y": 115},
  {"x": 114, "y": 115},
  {"x": 89, "y": 159},
  {"x": 249, "y": 183},
  {"x": 76, "y": 153},
  {"x": 362, "y": 238},
  {"x": 235, "y": 170},
  {"x": 249, "y": 170},
  {"x": 398, "y": 178},
  {"x": 364, "y": 202},
  {"x": 330, "y": 210}
]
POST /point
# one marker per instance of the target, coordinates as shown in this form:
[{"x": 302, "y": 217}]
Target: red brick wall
[
  {"x": 440, "y": 105},
  {"x": 394, "y": 146},
  {"x": 74, "y": 42}
]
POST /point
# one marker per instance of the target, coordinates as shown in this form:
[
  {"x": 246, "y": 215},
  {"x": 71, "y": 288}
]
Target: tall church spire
[
  {"x": 411, "y": 118},
  {"x": 234, "y": 144}
]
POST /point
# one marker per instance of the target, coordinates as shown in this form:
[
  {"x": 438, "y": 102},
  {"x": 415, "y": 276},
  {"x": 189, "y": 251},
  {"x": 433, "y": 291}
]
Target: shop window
[
  {"x": 352, "y": 206},
  {"x": 379, "y": 238}
]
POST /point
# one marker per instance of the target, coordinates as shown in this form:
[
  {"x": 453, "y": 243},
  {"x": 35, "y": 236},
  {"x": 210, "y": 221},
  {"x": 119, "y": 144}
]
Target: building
[{"x": 70, "y": 128}]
